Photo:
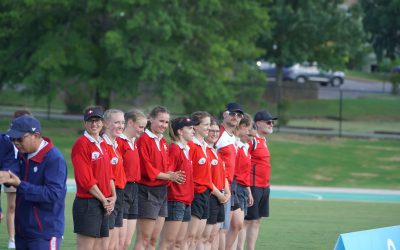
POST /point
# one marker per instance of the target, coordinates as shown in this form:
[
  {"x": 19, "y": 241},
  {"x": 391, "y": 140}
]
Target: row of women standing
[{"x": 191, "y": 194}]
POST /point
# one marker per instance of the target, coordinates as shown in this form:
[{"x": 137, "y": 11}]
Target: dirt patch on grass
[
  {"x": 365, "y": 174},
  {"x": 388, "y": 168},
  {"x": 320, "y": 177},
  {"x": 393, "y": 158}
]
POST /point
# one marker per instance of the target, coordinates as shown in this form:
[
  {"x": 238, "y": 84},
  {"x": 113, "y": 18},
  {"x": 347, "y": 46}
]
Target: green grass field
[
  {"x": 293, "y": 224},
  {"x": 296, "y": 160}
]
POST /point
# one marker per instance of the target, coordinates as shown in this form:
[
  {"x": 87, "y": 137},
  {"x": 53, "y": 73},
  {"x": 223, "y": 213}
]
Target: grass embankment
[
  {"x": 296, "y": 160},
  {"x": 380, "y": 77}
]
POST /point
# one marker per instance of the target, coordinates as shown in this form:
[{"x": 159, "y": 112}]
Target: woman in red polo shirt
[
  {"x": 95, "y": 191},
  {"x": 180, "y": 196},
  {"x": 201, "y": 178},
  {"x": 221, "y": 193},
  {"x": 135, "y": 122},
  {"x": 155, "y": 174},
  {"x": 241, "y": 193},
  {"x": 114, "y": 126}
]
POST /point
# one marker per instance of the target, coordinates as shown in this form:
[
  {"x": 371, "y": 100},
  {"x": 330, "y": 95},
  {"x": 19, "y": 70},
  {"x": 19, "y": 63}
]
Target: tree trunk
[{"x": 103, "y": 101}]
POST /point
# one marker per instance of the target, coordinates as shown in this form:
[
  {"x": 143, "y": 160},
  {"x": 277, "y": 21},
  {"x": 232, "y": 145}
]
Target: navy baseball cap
[
  {"x": 93, "y": 112},
  {"x": 183, "y": 121},
  {"x": 263, "y": 115},
  {"x": 22, "y": 125},
  {"x": 234, "y": 107}
]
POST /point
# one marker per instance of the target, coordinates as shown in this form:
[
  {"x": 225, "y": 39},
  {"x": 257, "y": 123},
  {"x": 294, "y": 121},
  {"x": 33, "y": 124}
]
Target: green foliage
[
  {"x": 381, "y": 21},
  {"x": 187, "y": 51},
  {"x": 319, "y": 30}
]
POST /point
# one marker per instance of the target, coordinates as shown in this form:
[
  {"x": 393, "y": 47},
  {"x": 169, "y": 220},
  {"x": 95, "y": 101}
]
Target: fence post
[
  {"x": 278, "y": 106},
  {"x": 340, "y": 111}
]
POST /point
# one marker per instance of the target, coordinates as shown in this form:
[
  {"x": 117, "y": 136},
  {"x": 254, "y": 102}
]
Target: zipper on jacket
[
  {"x": 26, "y": 161},
  {"x": 37, "y": 219}
]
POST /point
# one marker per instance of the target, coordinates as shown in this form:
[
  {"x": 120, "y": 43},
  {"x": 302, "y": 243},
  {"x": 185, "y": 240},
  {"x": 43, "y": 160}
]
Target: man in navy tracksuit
[{"x": 40, "y": 179}]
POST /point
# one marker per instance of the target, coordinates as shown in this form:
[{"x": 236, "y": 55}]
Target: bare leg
[
  {"x": 113, "y": 244},
  {"x": 180, "y": 242},
  {"x": 85, "y": 242},
  {"x": 130, "y": 230},
  {"x": 236, "y": 225},
  {"x": 191, "y": 233},
  {"x": 11, "y": 215},
  {"x": 168, "y": 234},
  {"x": 211, "y": 234},
  {"x": 156, "y": 233},
  {"x": 242, "y": 237},
  {"x": 122, "y": 234},
  {"x": 144, "y": 231},
  {"x": 253, "y": 228},
  {"x": 199, "y": 235}
]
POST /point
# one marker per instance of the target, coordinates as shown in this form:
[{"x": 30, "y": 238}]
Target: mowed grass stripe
[{"x": 293, "y": 224}]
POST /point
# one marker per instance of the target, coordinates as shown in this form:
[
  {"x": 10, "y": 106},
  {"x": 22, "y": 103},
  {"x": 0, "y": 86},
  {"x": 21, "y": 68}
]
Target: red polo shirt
[
  {"x": 226, "y": 147},
  {"x": 179, "y": 159},
  {"x": 243, "y": 164},
  {"x": 153, "y": 153},
  {"x": 116, "y": 161},
  {"x": 201, "y": 166},
  {"x": 91, "y": 164},
  {"x": 260, "y": 165},
  {"x": 217, "y": 168},
  {"x": 130, "y": 154}
]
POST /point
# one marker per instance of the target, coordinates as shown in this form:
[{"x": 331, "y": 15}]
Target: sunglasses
[
  {"x": 19, "y": 140},
  {"x": 270, "y": 122},
  {"x": 235, "y": 114}
]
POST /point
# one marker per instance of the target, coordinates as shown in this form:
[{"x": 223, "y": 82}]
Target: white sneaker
[{"x": 11, "y": 244}]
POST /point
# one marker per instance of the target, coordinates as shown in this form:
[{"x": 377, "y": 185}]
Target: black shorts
[
  {"x": 216, "y": 212},
  {"x": 152, "y": 202},
  {"x": 89, "y": 217},
  {"x": 200, "y": 205},
  {"x": 131, "y": 201},
  {"x": 260, "y": 207},
  {"x": 178, "y": 211},
  {"x": 240, "y": 197},
  {"x": 116, "y": 216}
]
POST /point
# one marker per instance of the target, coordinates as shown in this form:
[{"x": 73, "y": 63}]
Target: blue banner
[{"x": 386, "y": 238}]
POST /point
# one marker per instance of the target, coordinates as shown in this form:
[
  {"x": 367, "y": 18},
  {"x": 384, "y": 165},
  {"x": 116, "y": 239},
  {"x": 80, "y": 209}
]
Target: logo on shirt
[
  {"x": 95, "y": 155},
  {"x": 165, "y": 147},
  {"x": 114, "y": 161},
  {"x": 202, "y": 161},
  {"x": 214, "y": 162},
  {"x": 35, "y": 169}
]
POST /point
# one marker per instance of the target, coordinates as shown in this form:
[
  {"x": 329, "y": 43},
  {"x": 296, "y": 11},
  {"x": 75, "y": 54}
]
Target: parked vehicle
[{"x": 303, "y": 73}]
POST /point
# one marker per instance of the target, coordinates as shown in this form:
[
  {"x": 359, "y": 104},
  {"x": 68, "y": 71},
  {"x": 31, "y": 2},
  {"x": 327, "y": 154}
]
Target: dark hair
[
  {"x": 214, "y": 121},
  {"x": 134, "y": 115},
  {"x": 246, "y": 120},
  {"x": 154, "y": 112},
  {"x": 199, "y": 115},
  {"x": 173, "y": 133},
  {"x": 21, "y": 112}
]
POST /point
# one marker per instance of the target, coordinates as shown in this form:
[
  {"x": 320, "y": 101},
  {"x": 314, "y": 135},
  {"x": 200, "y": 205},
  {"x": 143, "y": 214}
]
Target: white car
[{"x": 303, "y": 73}]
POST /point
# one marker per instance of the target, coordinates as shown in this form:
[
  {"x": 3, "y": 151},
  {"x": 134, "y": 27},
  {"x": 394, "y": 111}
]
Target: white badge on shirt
[
  {"x": 214, "y": 162},
  {"x": 202, "y": 161},
  {"x": 95, "y": 155},
  {"x": 114, "y": 161}
]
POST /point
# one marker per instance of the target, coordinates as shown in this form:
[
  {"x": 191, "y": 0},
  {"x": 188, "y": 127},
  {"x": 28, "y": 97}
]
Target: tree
[
  {"x": 320, "y": 31},
  {"x": 381, "y": 20},
  {"x": 189, "y": 50}
]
